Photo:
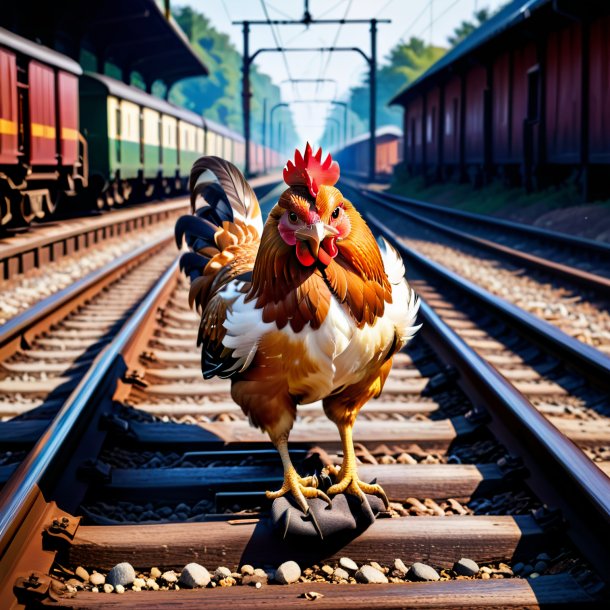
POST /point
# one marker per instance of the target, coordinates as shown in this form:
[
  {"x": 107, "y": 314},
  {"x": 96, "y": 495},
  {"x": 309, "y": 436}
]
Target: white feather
[{"x": 341, "y": 350}]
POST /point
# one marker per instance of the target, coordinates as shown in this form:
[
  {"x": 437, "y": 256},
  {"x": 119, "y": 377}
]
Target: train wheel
[
  {"x": 6, "y": 214},
  {"x": 26, "y": 207},
  {"x": 126, "y": 190},
  {"x": 117, "y": 197},
  {"x": 52, "y": 201}
]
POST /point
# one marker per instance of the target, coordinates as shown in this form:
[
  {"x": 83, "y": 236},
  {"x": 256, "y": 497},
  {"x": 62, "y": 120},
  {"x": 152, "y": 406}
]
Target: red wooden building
[{"x": 526, "y": 97}]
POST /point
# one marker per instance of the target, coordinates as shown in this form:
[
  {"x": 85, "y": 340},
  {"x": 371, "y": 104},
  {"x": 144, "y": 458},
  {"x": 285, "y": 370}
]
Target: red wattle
[
  {"x": 304, "y": 255},
  {"x": 330, "y": 246}
]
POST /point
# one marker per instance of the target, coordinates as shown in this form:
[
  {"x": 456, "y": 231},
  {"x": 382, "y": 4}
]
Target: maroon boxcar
[
  {"x": 39, "y": 139},
  {"x": 413, "y": 130},
  {"x": 530, "y": 89},
  {"x": 599, "y": 91},
  {"x": 474, "y": 137},
  {"x": 563, "y": 89},
  {"x": 432, "y": 127},
  {"x": 451, "y": 119}
]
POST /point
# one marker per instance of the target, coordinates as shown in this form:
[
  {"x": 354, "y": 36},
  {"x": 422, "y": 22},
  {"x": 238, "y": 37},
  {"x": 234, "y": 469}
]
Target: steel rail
[
  {"x": 54, "y": 447},
  {"x": 46, "y": 312},
  {"x": 563, "y": 475},
  {"x": 590, "y": 362},
  {"x": 47, "y": 242},
  {"x": 589, "y": 280},
  {"x": 537, "y": 232}
]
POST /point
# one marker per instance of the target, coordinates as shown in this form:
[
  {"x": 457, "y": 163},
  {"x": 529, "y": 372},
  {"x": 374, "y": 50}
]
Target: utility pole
[
  {"x": 278, "y": 105},
  {"x": 308, "y": 20},
  {"x": 265, "y": 135},
  {"x": 373, "y": 101}
]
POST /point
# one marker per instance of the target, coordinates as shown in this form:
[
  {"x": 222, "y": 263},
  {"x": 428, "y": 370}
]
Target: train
[
  {"x": 354, "y": 156},
  {"x": 71, "y": 140},
  {"x": 524, "y": 99}
]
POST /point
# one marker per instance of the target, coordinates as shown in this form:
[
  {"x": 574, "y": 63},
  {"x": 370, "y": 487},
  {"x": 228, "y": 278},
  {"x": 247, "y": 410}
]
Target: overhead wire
[
  {"x": 278, "y": 41},
  {"x": 329, "y": 56},
  {"x": 432, "y": 22}
]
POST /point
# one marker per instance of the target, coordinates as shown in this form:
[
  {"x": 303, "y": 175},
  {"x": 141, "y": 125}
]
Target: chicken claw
[
  {"x": 351, "y": 484},
  {"x": 300, "y": 488}
]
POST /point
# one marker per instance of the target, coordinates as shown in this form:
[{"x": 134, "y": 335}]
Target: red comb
[{"x": 309, "y": 171}]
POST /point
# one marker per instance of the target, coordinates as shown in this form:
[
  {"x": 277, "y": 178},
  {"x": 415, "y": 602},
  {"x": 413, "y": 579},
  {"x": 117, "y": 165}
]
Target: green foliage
[
  {"x": 218, "y": 96},
  {"x": 468, "y": 27},
  {"x": 405, "y": 63}
]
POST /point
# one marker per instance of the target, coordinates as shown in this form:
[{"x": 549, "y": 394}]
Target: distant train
[
  {"x": 354, "y": 156},
  {"x": 91, "y": 139}
]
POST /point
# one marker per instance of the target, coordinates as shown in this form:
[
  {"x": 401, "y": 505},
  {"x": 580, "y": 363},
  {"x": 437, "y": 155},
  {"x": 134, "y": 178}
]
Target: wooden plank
[
  {"x": 556, "y": 591},
  {"x": 584, "y": 432},
  {"x": 433, "y": 434},
  {"x": 400, "y": 481},
  {"x": 38, "y": 386},
  {"x": 213, "y": 386},
  {"x": 433, "y": 540},
  {"x": 228, "y": 406}
]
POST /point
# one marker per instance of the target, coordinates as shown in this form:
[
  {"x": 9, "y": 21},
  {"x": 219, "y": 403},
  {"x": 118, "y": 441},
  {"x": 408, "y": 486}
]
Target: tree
[
  {"x": 466, "y": 28},
  {"x": 404, "y": 64},
  {"x": 218, "y": 95}
]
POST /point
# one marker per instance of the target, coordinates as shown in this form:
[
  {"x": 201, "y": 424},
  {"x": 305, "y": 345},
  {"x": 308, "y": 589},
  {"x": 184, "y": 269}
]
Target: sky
[{"x": 431, "y": 20}]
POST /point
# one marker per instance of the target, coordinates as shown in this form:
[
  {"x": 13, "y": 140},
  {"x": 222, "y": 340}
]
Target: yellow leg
[
  {"x": 300, "y": 488},
  {"x": 348, "y": 476}
]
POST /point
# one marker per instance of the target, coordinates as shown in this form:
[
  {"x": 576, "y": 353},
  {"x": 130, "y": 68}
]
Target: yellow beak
[{"x": 314, "y": 234}]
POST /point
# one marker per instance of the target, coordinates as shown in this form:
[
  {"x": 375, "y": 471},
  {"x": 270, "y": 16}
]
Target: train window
[
  {"x": 118, "y": 134},
  {"x": 160, "y": 140},
  {"x": 141, "y": 137}
]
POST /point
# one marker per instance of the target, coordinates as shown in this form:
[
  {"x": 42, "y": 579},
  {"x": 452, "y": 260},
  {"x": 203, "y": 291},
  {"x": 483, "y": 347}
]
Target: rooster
[{"x": 307, "y": 308}]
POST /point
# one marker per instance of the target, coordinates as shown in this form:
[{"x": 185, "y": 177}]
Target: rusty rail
[{"x": 564, "y": 476}]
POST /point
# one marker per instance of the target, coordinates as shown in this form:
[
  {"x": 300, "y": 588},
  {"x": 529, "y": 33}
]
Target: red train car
[
  {"x": 525, "y": 98},
  {"x": 354, "y": 156},
  {"x": 40, "y": 148}
]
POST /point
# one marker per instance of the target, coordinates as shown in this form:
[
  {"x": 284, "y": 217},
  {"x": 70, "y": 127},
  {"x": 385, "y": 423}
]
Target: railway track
[
  {"x": 560, "y": 279},
  {"x": 147, "y": 464}
]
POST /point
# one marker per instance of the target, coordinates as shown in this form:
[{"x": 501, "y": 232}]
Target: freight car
[
  {"x": 525, "y": 98},
  {"x": 354, "y": 156},
  {"x": 68, "y": 134},
  {"x": 42, "y": 155},
  {"x": 142, "y": 145}
]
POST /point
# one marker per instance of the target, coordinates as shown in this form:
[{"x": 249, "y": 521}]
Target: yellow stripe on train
[
  {"x": 67, "y": 133},
  {"x": 43, "y": 131},
  {"x": 8, "y": 128}
]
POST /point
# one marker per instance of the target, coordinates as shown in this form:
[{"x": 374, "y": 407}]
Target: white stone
[{"x": 194, "y": 575}]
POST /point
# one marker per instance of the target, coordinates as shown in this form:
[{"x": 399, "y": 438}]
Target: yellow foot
[
  {"x": 351, "y": 484},
  {"x": 300, "y": 488}
]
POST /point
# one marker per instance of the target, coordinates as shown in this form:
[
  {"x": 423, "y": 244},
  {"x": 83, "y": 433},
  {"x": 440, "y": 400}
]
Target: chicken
[{"x": 307, "y": 308}]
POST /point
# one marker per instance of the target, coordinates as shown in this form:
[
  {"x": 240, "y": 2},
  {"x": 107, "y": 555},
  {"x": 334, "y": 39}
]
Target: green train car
[{"x": 142, "y": 146}]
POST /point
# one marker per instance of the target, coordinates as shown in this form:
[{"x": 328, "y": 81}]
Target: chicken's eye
[
  {"x": 292, "y": 217},
  {"x": 336, "y": 212}
]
